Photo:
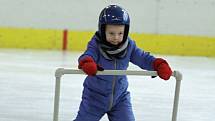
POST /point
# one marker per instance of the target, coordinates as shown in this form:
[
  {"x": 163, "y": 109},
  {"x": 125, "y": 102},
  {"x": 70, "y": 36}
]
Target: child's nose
[{"x": 116, "y": 36}]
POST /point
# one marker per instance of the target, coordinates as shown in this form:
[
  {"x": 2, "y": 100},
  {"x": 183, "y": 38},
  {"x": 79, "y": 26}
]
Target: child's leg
[
  {"x": 122, "y": 111},
  {"x": 88, "y": 113}
]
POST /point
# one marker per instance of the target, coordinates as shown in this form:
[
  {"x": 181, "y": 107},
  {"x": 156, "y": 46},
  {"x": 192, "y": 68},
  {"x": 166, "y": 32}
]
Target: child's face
[{"x": 114, "y": 33}]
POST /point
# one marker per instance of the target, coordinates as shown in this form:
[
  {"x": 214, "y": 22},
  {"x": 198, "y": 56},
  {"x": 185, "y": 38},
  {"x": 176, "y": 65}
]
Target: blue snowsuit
[{"x": 107, "y": 94}]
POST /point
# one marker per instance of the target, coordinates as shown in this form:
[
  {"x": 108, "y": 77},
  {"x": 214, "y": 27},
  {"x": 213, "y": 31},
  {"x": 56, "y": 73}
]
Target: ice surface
[{"x": 27, "y": 88}]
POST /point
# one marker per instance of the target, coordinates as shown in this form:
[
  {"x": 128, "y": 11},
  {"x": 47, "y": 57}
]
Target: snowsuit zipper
[{"x": 113, "y": 87}]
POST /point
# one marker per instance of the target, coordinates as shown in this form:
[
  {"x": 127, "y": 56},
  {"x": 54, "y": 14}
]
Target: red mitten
[
  {"x": 162, "y": 67},
  {"x": 89, "y": 66}
]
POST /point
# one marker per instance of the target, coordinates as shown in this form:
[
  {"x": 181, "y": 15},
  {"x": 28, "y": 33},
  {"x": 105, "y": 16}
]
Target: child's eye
[
  {"x": 120, "y": 33},
  {"x": 111, "y": 33}
]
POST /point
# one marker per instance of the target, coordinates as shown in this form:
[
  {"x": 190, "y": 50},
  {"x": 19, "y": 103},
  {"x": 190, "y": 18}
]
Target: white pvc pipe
[{"x": 61, "y": 71}]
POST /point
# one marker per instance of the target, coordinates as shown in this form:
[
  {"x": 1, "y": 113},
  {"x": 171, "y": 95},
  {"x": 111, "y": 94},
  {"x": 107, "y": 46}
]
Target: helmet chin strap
[{"x": 119, "y": 49}]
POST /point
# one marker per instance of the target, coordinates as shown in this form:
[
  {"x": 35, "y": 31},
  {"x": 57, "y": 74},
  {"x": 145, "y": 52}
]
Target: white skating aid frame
[{"x": 61, "y": 71}]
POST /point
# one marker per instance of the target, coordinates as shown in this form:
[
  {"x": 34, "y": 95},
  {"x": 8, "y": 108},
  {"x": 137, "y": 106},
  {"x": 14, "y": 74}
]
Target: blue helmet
[{"x": 115, "y": 15}]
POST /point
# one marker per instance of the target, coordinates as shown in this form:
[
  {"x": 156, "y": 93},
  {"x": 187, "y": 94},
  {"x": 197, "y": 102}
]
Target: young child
[{"x": 112, "y": 49}]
